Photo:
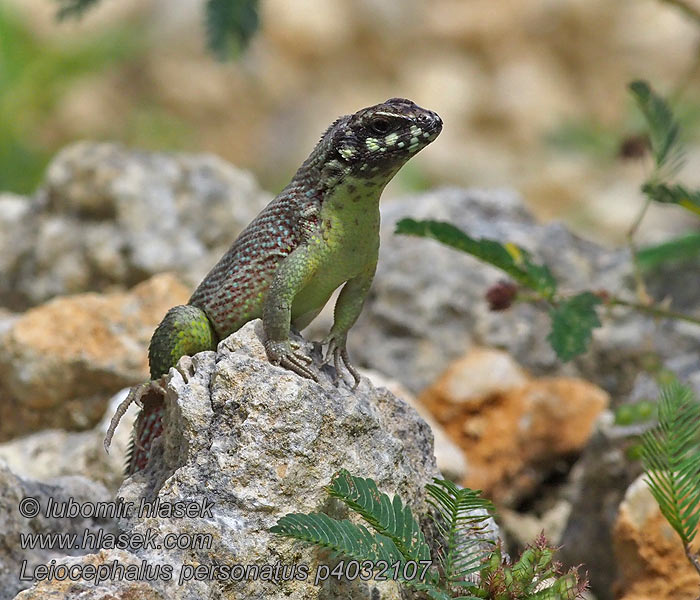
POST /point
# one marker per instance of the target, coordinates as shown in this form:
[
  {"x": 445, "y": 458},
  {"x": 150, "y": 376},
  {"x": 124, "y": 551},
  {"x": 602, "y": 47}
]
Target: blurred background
[{"x": 532, "y": 92}]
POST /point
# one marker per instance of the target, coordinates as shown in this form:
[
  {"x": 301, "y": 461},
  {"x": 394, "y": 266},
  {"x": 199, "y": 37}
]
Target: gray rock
[
  {"x": 53, "y": 453},
  {"x": 596, "y": 486},
  {"x": 258, "y": 442},
  {"x": 12, "y": 524},
  {"x": 427, "y": 303},
  {"x": 110, "y": 216}
]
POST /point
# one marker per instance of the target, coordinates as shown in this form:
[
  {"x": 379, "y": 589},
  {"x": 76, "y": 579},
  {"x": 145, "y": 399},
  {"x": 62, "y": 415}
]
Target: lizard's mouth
[{"x": 433, "y": 124}]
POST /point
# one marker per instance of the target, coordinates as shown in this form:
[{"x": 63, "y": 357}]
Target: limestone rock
[
  {"x": 449, "y": 457},
  {"x": 256, "y": 442},
  {"x": 60, "y": 362},
  {"x": 427, "y": 306},
  {"x": 513, "y": 430},
  {"x": 650, "y": 555},
  {"x": 107, "y": 216},
  {"x": 53, "y": 453},
  {"x": 13, "y": 524}
]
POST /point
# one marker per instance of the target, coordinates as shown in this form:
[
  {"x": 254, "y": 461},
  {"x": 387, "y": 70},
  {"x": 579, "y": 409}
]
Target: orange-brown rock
[
  {"x": 512, "y": 428},
  {"x": 651, "y": 561},
  {"x": 60, "y": 362}
]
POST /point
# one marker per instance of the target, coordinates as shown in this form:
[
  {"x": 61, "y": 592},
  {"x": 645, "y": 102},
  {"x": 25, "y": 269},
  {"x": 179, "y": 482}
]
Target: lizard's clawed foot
[
  {"x": 337, "y": 351},
  {"x": 134, "y": 396},
  {"x": 286, "y": 354}
]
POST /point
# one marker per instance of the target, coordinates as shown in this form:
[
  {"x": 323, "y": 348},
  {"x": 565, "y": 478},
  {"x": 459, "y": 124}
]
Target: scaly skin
[{"x": 320, "y": 232}]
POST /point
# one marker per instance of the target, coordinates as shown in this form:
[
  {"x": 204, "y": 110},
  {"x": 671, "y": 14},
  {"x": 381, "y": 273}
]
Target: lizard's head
[
  {"x": 378, "y": 140},
  {"x": 373, "y": 144}
]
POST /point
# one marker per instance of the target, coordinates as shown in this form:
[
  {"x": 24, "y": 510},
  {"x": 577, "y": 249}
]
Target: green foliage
[
  {"x": 512, "y": 259},
  {"x": 673, "y": 194},
  {"x": 671, "y": 459},
  {"x": 73, "y": 8},
  {"x": 390, "y": 518},
  {"x": 664, "y": 132},
  {"x": 534, "y": 576},
  {"x": 635, "y": 412},
  {"x": 230, "y": 24},
  {"x": 682, "y": 248},
  {"x": 34, "y": 78},
  {"x": 461, "y": 516},
  {"x": 462, "y": 521},
  {"x": 343, "y": 536},
  {"x": 573, "y": 321}
]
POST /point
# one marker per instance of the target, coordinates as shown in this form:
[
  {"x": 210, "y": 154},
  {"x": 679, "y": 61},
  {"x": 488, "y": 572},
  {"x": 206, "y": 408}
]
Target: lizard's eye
[{"x": 380, "y": 125}]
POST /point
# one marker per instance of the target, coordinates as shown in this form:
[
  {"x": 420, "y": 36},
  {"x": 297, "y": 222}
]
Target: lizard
[{"x": 320, "y": 232}]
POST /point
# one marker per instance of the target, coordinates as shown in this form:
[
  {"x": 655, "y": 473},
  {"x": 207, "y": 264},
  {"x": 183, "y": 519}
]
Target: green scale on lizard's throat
[{"x": 348, "y": 241}]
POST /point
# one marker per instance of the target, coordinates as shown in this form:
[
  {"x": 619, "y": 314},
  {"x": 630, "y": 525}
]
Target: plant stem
[
  {"x": 642, "y": 293},
  {"x": 653, "y": 310},
  {"x": 692, "y": 557}
]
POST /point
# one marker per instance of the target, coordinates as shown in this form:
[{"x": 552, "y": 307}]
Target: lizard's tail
[
  {"x": 149, "y": 425},
  {"x": 185, "y": 330}
]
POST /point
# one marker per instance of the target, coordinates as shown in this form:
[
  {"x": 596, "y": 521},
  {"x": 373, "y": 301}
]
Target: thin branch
[
  {"x": 692, "y": 557},
  {"x": 642, "y": 293},
  {"x": 653, "y": 310}
]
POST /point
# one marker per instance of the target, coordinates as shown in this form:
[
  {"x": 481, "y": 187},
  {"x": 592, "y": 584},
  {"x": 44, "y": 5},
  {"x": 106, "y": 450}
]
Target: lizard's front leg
[
  {"x": 293, "y": 273},
  {"x": 347, "y": 310}
]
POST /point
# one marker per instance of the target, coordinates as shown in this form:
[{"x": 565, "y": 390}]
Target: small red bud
[{"x": 501, "y": 296}]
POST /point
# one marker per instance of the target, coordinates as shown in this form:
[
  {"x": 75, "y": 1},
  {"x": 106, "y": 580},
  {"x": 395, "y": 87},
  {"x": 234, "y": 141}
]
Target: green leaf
[
  {"x": 230, "y": 25},
  {"x": 512, "y": 259},
  {"x": 343, "y": 536},
  {"x": 390, "y": 518},
  {"x": 673, "y": 194},
  {"x": 685, "y": 247},
  {"x": 663, "y": 128},
  {"x": 573, "y": 321},
  {"x": 462, "y": 522},
  {"x": 73, "y": 8},
  {"x": 671, "y": 459}
]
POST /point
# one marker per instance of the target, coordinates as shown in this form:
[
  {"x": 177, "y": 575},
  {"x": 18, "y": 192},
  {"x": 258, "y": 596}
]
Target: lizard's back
[{"x": 232, "y": 293}]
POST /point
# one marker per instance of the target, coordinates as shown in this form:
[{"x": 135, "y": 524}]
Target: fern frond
[
  {"x": 388, "y": 518},
  {"x": 463, "y": 525},
  {"x": 673, "y": 194},
  {"x": 671, "y": 459},
  {"x": 664, "y": 131},
  {"x": 230, "y": 25},
  {"x": 344, "y": 537}
]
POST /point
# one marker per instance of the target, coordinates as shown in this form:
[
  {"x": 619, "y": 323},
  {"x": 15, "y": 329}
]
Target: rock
[
  {"x": 513, "y": 430},
  {"x": 87, "y": 589},
  {"x": 650, "y": 555},
  {"x": 254, "y": 442},
  {"x": 595, "y": 488},
  {"x": 449, "y": 457},
  {"x": 427, "y": 305},
  {"x": 109, "y": 216},
  {"x": 55, "y": 453},
  {"x": 13, "y": 525},
  {"x": 60, "y": 362}
]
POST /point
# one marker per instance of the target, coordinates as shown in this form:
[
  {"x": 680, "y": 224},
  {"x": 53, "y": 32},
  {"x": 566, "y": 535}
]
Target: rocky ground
[{"x": 83, "y": 289}]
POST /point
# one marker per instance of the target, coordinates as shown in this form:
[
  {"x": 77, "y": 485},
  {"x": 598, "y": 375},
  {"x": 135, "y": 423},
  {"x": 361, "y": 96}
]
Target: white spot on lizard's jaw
[
  {"x": 390, "y": 139},
  {"x": 400, "y": 145},
  {"x": 426, "y": 135},
  {"x": 372, "y": 144},
  {"x": 415, "y": 130},
  {"x": 347, "y": 152}
]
